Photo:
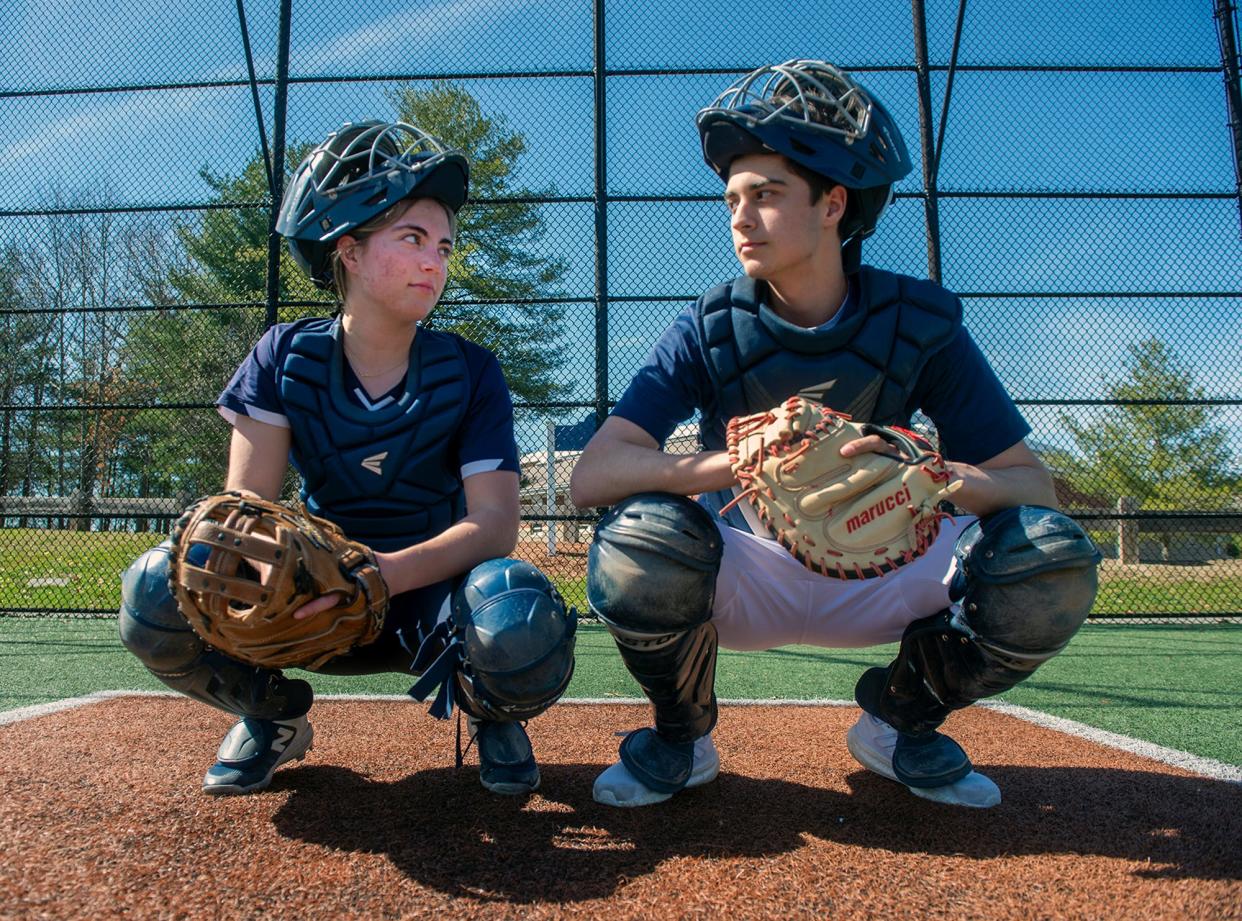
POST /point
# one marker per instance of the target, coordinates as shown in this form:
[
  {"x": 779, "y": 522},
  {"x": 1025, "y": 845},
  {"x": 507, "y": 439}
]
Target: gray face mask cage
[
  {"x": 386, "y": 148},
  {"x": 798, "y": 89}
]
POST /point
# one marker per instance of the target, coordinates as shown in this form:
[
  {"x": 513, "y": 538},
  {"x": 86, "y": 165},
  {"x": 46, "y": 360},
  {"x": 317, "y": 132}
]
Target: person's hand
[
  {"x": 322, "y": 603},
  {"x": 871, "y": 443}
]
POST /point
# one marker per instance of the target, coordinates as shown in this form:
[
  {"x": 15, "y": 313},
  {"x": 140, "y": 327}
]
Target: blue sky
[{"x": 1031, "y": 132}]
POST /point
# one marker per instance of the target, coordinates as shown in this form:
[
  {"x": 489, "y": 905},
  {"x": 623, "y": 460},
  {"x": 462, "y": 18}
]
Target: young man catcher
[
  {"x": 403, "y": 436},
  {"x": 814, "y": 526}
]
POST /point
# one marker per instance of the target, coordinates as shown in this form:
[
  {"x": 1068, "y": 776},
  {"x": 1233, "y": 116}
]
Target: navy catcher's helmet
[
  {"x": 506, "y": 651},
  {"x": 820, "y": 118},
  {"x": 360, "y": 171}
]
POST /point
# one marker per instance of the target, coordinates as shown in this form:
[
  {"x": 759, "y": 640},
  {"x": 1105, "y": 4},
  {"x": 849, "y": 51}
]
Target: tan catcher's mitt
[
  {"x": 260, "y": 561},
  {"x": 848, "y": 517}
]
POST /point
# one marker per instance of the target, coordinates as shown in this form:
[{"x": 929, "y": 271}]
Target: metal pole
[
  {"x": 254, "y": 92},
  {"x": 601, "y": 222},
  {"x": 948, "y": 89},
  {"x": 1227, "y": 35},
  {"x": 931, "y": 207},
  {"x": 280, "y": 108}
]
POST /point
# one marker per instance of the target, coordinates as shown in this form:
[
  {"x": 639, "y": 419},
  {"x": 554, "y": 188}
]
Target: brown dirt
[{"x": 101, "y": 817}]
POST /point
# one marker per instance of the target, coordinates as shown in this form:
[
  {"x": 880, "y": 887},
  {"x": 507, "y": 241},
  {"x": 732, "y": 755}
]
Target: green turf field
[
  {"x": 1178, "y": 686},
  {"x": 1166, "y": 595}
]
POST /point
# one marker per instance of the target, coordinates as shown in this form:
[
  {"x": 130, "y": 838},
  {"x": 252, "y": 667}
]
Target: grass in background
[
  {"x": 80, "y": 571},
  {"x": 1167, "y": 596},
  {"x": 1177, "y": 686},
  {"x": 88, "y": 563}
]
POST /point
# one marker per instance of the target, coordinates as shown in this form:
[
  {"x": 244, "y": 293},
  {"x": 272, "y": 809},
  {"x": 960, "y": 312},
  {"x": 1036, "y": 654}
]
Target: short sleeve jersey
[
  {"x": 484, "y": 442},
  {"x": 957, "y": 389}
]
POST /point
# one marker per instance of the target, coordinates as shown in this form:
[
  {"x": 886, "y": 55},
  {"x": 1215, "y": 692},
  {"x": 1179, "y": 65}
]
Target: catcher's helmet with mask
[
  {"x": 819, "y": 117},
  {"x": 360, "y": 171}
]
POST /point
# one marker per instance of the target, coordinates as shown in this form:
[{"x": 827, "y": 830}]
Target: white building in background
[{"x": 545, "y": 490}]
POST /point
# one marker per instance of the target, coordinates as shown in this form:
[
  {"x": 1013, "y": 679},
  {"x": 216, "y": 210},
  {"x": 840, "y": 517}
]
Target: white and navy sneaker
[
  {"x": 617, "y": 786},
  {"x": 872, "y": 742},
  {"x": 506, "y": 760},
  {"x": 251, "y": 752}
]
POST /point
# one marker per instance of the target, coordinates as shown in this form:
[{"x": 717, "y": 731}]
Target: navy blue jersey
[
  {"x": 484, "y": 442},
  {"x": 957, "y": 390}
]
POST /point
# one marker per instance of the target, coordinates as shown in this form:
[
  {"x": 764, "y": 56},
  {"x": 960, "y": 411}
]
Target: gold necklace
[{"x": 353, "y": 363}]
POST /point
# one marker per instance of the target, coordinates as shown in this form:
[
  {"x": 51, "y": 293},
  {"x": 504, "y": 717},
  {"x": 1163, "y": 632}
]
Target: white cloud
[{"x": 397, "y": 32}]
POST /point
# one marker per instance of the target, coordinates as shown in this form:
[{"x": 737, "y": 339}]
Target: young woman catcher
[{"x": 403, "y": 437}]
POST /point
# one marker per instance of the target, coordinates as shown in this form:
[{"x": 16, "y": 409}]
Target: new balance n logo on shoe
[
  {"x": 372, "y": 463},
  {"x": 284, "y": 735}
]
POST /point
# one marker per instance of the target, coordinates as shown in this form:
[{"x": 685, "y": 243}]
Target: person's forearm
[
  {"x": 477, "y": 537},
  {"x": 608, "y": 473},
  {"x": 984, "y": 491}
]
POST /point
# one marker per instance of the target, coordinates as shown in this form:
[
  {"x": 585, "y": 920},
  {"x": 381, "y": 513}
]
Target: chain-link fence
[{"x": 1079, "y": 188}]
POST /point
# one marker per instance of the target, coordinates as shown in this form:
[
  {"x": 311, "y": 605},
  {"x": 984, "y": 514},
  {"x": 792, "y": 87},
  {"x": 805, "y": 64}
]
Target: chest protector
[
  {"x": 387, "y": 476},
  {"x": 866, "y": 365}
]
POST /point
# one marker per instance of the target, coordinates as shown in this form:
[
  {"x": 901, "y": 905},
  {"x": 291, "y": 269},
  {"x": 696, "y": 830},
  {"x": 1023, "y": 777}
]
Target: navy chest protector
[
  {"x": 385, "y": 475},
  {"x": 865, "y": 366}
]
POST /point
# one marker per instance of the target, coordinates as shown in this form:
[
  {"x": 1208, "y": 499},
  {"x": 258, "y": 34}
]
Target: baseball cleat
[
  {"x": 506, "y": 760},
  {"x": 251, "y": 752},
  {"x": 618, "y": 787},
  {"x": 873, "y": 742}
]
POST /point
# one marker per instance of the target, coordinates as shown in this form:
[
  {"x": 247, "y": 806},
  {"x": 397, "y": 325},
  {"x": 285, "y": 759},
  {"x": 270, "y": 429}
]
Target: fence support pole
[
  {"x": 1226, "y": 33},
  {"x": 931, "y": 206},
  {"x": 549, "y": 492},
  {"x": 279, "y": 109},
  {"x": 601, "y": 221}
]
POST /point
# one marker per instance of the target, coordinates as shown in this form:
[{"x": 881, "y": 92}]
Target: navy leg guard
[
  {"x": 677, "y": 672},
  {"x": 929, "y": 760},
  {"x": 153, "y": 629},
  {"x": 1026, "y": 581},
  {"x": 651, "y": 578},
  {"x": 899, "y": 694},
  {"x": 506, "y": 653}
]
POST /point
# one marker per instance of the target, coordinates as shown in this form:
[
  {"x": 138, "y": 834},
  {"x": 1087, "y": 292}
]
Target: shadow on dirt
[{"x": 442, "y": 829}]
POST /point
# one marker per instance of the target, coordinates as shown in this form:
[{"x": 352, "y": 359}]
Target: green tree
[
  {"x": 212, "y": 276},
  {"x": 496, "y": 258},
  {"x": 1167, "y": 457}
]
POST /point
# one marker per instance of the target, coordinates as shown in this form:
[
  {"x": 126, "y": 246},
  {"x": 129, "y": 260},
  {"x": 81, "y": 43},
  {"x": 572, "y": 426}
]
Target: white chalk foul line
[
  {"x": 1205, "y": 767},
  {"x": 69, "y": 703},
  {"x": 1193, "y": 763}
]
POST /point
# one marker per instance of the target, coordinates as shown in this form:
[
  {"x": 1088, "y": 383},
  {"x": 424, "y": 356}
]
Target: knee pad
[
  {"x": 651, "y": 578},
  {"x": 1025, "y": 582},
  {"x": 154, "y": 630},
  {"x": 652, "y": 566},
  {"x": 151, "y": 626},
  {"x": 507, "y": 650}
]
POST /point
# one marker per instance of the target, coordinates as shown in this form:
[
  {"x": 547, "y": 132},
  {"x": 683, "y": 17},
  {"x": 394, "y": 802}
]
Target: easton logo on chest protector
[{"x": 384, "y": 473}]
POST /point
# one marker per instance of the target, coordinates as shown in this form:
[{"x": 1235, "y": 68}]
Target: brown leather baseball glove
[
  {"x": 854, "y": 517},
  {"x": 260, "y": 561}
]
